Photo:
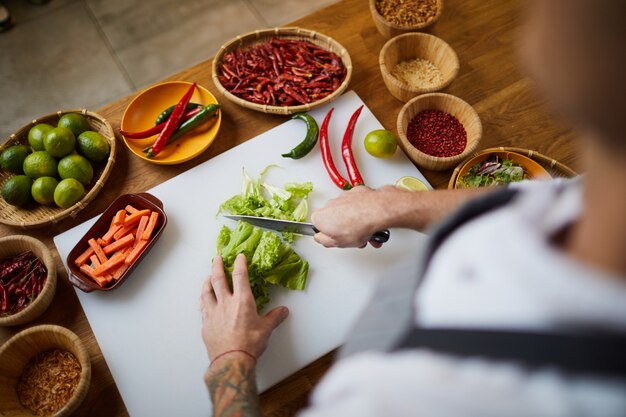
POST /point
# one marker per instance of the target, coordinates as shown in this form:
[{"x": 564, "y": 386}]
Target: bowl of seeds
[
  {"x": 395, "y": 17},
  {"x": 417, "y": 63}
]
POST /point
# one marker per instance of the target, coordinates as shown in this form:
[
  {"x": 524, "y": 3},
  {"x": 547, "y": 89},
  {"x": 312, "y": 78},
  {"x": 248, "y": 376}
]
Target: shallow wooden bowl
[
  {"x": 295, "y": 33},
  {"x": 37, "y": 215},
  {"x": 411, "y": 46},
  {"x": 389, "y": 30},
  {"x": 465, "y": 114},
  {"x": 18, "y": 351},
  {"x": 14, "y": 245}
]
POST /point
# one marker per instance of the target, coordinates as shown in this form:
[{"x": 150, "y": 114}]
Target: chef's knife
[{"x": 299, "y": 228}]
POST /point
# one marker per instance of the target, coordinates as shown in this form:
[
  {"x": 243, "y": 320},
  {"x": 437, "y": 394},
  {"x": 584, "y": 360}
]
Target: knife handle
[{"x": 381, "y": 236}]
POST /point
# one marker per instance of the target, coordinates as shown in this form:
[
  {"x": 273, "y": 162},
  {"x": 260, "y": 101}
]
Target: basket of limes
[{"x": 53, "y": 167}]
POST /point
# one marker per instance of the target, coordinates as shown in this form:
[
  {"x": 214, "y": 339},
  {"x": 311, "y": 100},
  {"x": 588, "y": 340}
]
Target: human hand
[
  {"x": 229, "y": 318},
  {"x": 352, "y": 218}
]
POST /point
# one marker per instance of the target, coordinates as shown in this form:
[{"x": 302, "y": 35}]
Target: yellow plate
[
  {"x": 532, "y": 168},
  {"x": 145, "y": 108}
]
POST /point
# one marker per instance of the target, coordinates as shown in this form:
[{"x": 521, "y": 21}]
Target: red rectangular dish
[{"x": 116, "y": 243}]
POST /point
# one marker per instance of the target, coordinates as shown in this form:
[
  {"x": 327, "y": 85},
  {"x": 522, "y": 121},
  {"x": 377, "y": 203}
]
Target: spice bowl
[
  {"x": 389, "y": 29},
  {"x": 11, "y": 246},
  {"x": 421, "y": 46},
  {"x": 18, "y": 352},
  {"x": 462, "y": 111}
]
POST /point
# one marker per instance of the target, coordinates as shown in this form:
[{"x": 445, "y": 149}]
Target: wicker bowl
[
  {"x": 259, "y": 36},
  {"x": 36, "y": 215},
  {"x": 411, "y": 46},
  {"x": 389, "y": 30},
  {"x": 465, "y": 114},
  {"x": 14, "y": 245},
  {"x": 18, "y": 351}
]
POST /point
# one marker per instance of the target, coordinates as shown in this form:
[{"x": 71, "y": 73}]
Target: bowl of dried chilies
[
  {"x": 27, "y": 279},
  {"x": 282, "y": 70}
]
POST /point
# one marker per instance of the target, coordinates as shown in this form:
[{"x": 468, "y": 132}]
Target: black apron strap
[{"x": 600, "y": 354}]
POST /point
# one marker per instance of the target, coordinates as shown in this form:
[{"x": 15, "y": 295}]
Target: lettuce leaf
[{"x": 270, "y": 260}]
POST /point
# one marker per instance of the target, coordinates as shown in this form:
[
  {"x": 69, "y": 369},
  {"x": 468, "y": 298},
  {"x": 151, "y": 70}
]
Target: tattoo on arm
[{"x": 232, "y": 386}]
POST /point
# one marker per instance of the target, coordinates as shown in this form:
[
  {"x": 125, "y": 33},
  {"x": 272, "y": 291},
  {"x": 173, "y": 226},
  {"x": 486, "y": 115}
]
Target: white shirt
[{"x": 498, "y": 271}]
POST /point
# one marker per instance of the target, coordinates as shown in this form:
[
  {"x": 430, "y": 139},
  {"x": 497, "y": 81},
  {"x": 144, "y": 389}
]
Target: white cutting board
[{"x": 149, "y": 328}]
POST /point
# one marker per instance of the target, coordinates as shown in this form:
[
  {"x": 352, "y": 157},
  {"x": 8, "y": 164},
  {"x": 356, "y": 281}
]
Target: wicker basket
[
  {"x": 554, "y": 167},
  {"x": 465, "y": 114},
  {"x": 411, "y": 46},
  {"x": 389, "y": 30},
  {"x": 295, "y": 33},
  {"x": 14, "y": 245},
  {"x": 39, "y": 215},
  {"x": 18, "y": 351}
]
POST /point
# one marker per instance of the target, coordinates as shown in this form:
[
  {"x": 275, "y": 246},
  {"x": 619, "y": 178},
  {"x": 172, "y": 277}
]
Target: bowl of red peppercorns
[{"x": 437, "y": 131}]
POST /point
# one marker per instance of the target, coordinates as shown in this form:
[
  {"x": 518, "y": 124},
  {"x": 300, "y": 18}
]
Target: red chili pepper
[
  {"x": 335, "y": 176},
  {"x": 172, "y": 123},
  {"x": 158, "y": 128},
  {"x": 346, "y": 151}
]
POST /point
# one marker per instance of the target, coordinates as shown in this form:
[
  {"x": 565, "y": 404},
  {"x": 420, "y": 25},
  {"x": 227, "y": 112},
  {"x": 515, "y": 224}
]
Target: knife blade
[{"x": 300, "y": 228}]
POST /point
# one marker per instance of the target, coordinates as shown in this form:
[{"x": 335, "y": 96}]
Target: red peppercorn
[{"x": 437, "y": 133}]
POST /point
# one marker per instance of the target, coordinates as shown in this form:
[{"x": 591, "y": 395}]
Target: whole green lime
[
  {"x": 40, "y": 164},
  {"x": 59, "y": 142},
  {"x": 68, "y": 192},
  {"x": 77, "y": 167},
  {"x": 16, "y": 190},
  {"x": 36, "y": 135},
  {"x": 74, "y": 122},
  {"x": 42, "y": 190},
  {"x": 380, "y": 143},
  {"x": 93, "y": 146},
  {"x": 12, "y": 159}
]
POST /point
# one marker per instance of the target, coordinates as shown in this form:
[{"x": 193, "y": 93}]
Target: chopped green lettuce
[{"x": 270, "y": 260}]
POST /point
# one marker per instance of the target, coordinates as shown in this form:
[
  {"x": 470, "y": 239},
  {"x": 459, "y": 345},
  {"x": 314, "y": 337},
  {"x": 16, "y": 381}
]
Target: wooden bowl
[
  {"x": 36, "y": 215},
  {"x": 259, "y": 36},
  {"x": 553, "y": 167},
  {"x": 18, "y": 351},
  {"x": 139, "y": 201},
  {"x": 411, "y": 46},
  {"x": 15, "y": 245},
  {"x": 465, "y": 114},
  {"x": 389, "y": 30}
]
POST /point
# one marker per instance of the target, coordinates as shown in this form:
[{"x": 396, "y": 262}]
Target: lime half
[{"x": 411, "y": 184}]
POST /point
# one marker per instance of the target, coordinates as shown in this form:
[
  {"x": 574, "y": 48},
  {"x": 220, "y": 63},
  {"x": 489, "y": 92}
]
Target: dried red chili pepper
[
  {"x": 22, "y": 285},
  {"x": 327, "y": 157},
  {"x": 172, "y": 123},
  {"x": 158, "y": 128},
  {"x": 346, "y": 151}
]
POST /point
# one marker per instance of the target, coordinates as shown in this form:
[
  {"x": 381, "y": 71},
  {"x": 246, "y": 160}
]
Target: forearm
[{"x": 232, "y": 387}]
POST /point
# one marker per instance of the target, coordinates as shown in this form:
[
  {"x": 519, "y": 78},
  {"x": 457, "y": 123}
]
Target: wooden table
[{"x": 483, "y": 34}]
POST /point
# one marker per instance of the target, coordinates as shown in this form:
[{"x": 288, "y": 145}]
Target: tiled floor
[{"x": 86, "y": 53}]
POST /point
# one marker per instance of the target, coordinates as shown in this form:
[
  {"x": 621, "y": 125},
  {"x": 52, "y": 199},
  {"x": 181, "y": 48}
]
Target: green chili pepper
[
  {"x": 191, "y": 124},
  {"x": 312, "y": 132},
  {"x": 168, "y": 112}
]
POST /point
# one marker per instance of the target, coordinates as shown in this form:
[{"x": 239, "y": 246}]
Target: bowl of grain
[
  {"x": 45, "y": 371},
  {"x": 437, "y": 131},
  {"x": 395, "y": 17},
  {"x": 417, "y": 63}
]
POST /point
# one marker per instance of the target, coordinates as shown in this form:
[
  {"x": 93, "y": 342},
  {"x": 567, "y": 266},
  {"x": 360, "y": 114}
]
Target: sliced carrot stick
[
  {"x": 98, "y": 250},
  {"x": 131, "y": 209},
  {"x": 123, "y": 232},
  {"x": 119, "y": 244},
  {"x": 100, "y": 241},
  {"x": 140, "y": 229},
  {"x": 115, "y": 260},
  {"x": 108, "y": 237},
  {"x": 134, "y": 254},
  {"x": 151, "y": 225},
  {"x": 135, "y": 217},
  {"x": 90, "y": 272},
  {"x": 95, "y": 262},
  {"x": 84, "y": 256},
  {"x": 119, "y": 271},
  {"x": 118, "y": 219}
]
